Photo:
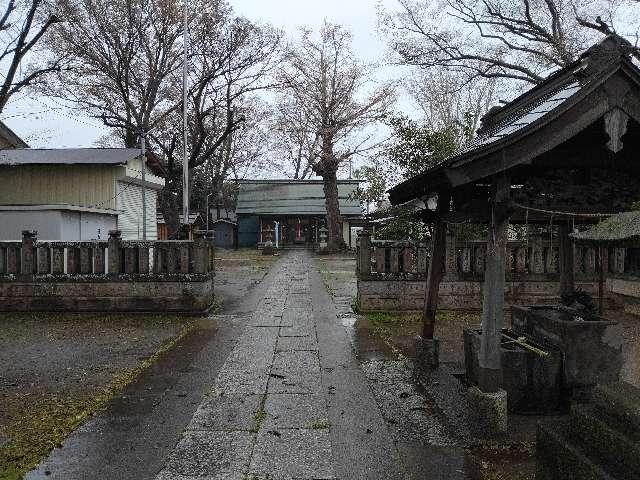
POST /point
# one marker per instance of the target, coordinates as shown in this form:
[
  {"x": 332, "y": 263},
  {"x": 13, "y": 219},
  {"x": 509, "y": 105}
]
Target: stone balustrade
[
  {"x": 113, "y": 259},
  {"x": 129, "y": 274},
  {"x": 532, "y": 260},
  {"x": 391, "y": 274}
]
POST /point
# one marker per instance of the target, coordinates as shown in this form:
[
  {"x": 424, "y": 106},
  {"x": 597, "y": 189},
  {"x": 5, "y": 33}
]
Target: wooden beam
[
  {"x": 436, "y": 268},
  {"x": 566, "y": 260},
  {"x": 490, "y": 368}
]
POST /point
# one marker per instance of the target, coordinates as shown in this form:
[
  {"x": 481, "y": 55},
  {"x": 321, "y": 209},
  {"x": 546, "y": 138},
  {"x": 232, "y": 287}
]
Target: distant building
[
  {"x": 225, "y": 233},
  {"x": 196, "y": 222},
  {"x": 8, "y": 139},
  {"x": 77, "y": 194},
  {"x": 294, "y": 209}
]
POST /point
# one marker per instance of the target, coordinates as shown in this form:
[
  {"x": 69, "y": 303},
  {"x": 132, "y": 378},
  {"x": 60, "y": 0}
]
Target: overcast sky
[{"x": 43, "y": 123}]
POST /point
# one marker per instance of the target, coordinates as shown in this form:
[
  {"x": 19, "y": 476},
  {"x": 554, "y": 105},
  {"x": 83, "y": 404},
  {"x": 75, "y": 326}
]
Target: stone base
[
  {"x": 427, "y": 352},
  {"x": 487, "y": 412},
  {"x": 102, "y": 295}
]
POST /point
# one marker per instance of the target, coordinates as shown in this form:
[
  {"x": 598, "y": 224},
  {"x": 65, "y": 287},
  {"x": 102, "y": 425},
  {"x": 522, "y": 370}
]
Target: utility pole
[
  {"x": 143, "y": 149},
  {"x": 185, "y": 158}
]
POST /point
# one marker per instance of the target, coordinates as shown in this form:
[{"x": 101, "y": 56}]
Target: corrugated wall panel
[
  {"x": 46, "y": 184},
  {"x": 129, "y": 199}
]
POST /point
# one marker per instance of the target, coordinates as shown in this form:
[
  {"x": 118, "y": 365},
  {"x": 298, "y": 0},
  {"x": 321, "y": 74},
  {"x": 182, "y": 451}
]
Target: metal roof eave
[{"x": 442, "y": 177}]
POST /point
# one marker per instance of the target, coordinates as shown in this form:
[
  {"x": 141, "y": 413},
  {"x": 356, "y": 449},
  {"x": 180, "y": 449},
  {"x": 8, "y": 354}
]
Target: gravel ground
[{"x": 58, "y": 369}]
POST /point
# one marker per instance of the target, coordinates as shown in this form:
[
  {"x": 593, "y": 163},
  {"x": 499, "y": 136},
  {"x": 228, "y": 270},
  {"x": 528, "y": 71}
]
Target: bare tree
[
  {"x": 122, "y": 56},
  {"x": 504, "y": 39},
  {"x": 232, "y": 59},
  {"x": 22, "y": 28},
  {"x": 328, "y": 84},
  {"x": 294, "y": 142},
  {"x": 450, "y": 101}
]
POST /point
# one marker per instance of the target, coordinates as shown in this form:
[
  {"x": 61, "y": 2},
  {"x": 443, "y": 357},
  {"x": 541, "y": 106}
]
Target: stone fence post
[
  {"x": 114, "y": 249},
  {"x": 363, "y": 265},
  {"x": 28, "y": 265},
  {"x": 200, "y": 257}
]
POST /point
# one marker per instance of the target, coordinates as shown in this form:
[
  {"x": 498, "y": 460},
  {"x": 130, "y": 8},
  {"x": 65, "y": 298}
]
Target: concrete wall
[
  {"x": 399, "y": 295},
  {"x": 56, "y": 224}
]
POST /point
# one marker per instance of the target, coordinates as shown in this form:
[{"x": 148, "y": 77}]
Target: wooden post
[
  {"x": 490, "y": 368},
  {"x": 566, "y": 261},
  {"x": 436, "y": 268}
]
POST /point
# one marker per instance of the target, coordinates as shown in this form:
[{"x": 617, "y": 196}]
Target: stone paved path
[
  {"x": 292, "y": 402},
  {"x": 266, "y": 416}
]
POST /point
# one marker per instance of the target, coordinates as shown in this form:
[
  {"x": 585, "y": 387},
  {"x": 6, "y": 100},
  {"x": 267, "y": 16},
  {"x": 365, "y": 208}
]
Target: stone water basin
[{"x": 591, "y": 346}]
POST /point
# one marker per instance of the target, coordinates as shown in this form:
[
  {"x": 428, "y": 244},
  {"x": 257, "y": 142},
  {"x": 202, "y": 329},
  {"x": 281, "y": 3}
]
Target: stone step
[
  {"x": 559, "y": 459},
  {"x": 619, "y": 405},
  {"x": 603, "y": 444}
]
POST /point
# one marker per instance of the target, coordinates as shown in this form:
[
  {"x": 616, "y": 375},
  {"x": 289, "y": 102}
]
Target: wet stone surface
[
  {"x": 298, "y": 397},
  {"x": 264, "y": 417}
]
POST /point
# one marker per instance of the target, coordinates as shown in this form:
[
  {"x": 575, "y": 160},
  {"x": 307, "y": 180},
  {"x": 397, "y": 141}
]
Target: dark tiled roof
[
  {"x": 523, "y": 117},
  {"x": 293, "y": 197}
]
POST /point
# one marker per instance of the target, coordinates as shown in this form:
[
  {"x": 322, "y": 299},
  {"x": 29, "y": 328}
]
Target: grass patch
[
  {"x": 41, "y": 422},
  {"x": 260, "y": 417},
  {"x": 320, "y": 425}
]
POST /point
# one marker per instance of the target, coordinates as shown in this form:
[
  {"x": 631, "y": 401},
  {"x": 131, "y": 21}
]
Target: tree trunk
[
  {"x": 168, "y": 203},
  {"x": 335, "y": 241}
]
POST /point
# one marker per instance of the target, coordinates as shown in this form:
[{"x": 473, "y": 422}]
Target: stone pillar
[
  {"x": 44, "y": 260},
  {"x": 200, "y": 253},
  {"x": 98, "y": 259},
  {"x": 28, "y": 252},
  {"x": 85, "y": 260},
  {"x": 184, "y": 255},
  {"x": 114, "y": 250},
  {"x": 363, "y": 267},
  {"x": 13, "y": 259},
  {"x": 566, "y": 263},
  {"x": 130, "y": 260},
  {"x": 143, "y": 259},
  {"x": 58, "y": 260},
  {"x": 394, "y": 258},
  {"x": 451, "y": 259}
]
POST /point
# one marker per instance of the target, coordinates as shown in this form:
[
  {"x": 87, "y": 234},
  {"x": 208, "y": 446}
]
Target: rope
[{"x": 567, "y": 214}]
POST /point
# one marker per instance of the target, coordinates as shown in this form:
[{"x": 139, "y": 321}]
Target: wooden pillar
[
  {"x": 490, "y": 368},
  {"x": 566, "y": 261},
  {"x": 436, "y": 268}
]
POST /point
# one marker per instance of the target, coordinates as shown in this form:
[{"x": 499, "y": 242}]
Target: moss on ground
[{"x": 40, "y": 422}]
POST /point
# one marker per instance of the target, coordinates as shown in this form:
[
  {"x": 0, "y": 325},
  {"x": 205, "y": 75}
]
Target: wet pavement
[{"x": 276, "y": 388}]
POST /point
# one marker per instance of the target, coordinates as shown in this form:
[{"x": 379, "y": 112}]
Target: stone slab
[
  {"x": 295, "y": 372},
  {"x": 292, "y": 454},
  {"x": 308, "y": 343},
  {"x": 295, "y": 411},
  {"x": 226, "y": 412},
  {"x": 194, "y": 456}
]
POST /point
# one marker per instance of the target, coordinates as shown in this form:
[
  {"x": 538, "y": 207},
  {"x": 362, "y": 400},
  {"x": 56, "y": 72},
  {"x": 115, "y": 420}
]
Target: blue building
[{"x": 291, "y": 212}]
